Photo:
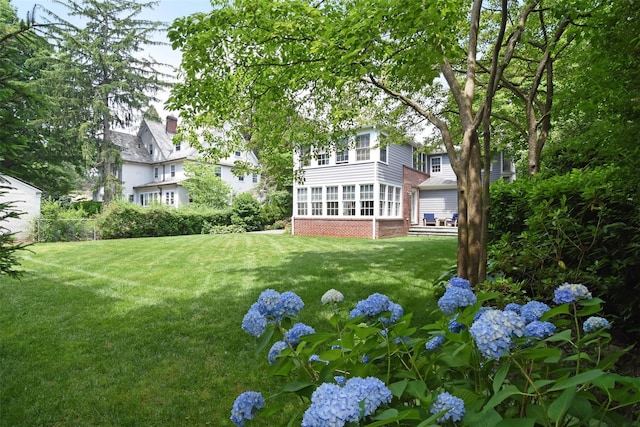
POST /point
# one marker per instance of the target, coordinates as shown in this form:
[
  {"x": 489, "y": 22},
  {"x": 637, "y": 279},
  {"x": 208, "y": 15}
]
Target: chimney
[{"x": 172, "y": 124}]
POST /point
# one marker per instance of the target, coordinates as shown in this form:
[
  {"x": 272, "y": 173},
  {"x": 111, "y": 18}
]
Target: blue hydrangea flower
[
  {"x": 370, "y": 390},
  {"x": 540, "y": 330},
  {"x": 275, "y": 351},
  {"x": 513, "y": 307},
  {"x": 291, "y": 303},
  {"x": 332, "y": 296},
  {"x": 570, "y": 292},
  {"x": 340, "y": 380},
  {"x": 299, "y": 329},
  {"x": 254, "y": 323},
  {"x": 493, "y": 332},
  {"x": 331, "y": 405},
  {"x": 373, "y": 305},
  {"x": 458, "y": 282},
  {"x": 434, "y": 342},
  {"x": 396, "y": 313},
  {"x": 594, "y": 323},
  {"x": 270, "y": 304},
  {"x": 455, "y": 326},
  {"x": 245, "y": 406},
  {"x": 455, "y": 297},
  {"x": 533, "y": 310},
  {"x": 452, "y": 404},
  {"x": 365, "y": 359}
]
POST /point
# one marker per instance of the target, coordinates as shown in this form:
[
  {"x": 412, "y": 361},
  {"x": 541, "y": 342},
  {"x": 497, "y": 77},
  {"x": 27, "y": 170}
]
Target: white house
[
  {"x": 152, "y": 169},
  {"x": 25, "y": 198},
  {"x": 374, "y": 190}
]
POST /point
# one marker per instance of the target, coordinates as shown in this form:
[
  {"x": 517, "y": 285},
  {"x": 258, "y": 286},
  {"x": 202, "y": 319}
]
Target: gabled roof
[
  {"x": 131, "y": 147},
  {"x": 165, "y": 143},
  {"x": 438, "y": 183}
]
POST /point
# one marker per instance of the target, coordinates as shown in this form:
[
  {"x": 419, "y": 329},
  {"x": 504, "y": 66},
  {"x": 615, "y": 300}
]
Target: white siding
[
  {"x": 25, "y": 199},
  {"x": 340, "y": 174}
]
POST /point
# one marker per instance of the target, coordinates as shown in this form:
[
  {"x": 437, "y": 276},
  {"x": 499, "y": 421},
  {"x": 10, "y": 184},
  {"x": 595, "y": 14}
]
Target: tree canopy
[{"x": 291, "y": 73}]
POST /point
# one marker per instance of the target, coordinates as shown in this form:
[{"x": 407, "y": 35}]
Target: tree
[
  {"x": 312, "y": 69},
  {"x": 8, "y": 247},
  {"x": 100, "y": 79},
  {"x": 205, "y": 187}
]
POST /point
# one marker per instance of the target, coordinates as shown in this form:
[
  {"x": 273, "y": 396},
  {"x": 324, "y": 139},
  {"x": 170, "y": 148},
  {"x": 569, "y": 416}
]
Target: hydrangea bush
[{"x": 476, "y": 365}]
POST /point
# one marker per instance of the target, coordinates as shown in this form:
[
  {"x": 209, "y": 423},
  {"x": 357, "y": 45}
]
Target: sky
[{"x": 165, "y": 11}]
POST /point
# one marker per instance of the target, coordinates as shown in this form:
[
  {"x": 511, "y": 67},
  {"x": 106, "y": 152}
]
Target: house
[
  {"x": 368, "y": 190},
  {"x": 25, "y": 198},
  {"x": 438, "y": 193},
  {"x": 152, "y": 167},
  {"x": 373, "y": 190}
]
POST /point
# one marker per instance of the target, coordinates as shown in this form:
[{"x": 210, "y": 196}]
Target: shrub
[
  {"x": 221, "y": 229},
  {"x": 247, "y": 212},
  {"x": 127, "y": 220},
  {"x": 579, "y": 227},
  {"x": 477, "y": 365},
  {"x": 63, "y": 223}
]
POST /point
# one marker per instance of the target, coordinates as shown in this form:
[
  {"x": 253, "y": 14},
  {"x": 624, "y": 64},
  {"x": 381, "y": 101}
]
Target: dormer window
[
  {"x": 151, "y": 149},
  {"x": 237, "y": 154},
  {"x": 177, "y": 146}
]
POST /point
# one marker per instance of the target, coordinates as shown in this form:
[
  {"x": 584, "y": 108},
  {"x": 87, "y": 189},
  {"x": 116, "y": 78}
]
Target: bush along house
[{"x": 368, "y": 189}]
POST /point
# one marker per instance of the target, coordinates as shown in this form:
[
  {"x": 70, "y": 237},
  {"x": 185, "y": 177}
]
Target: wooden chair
[
  {"x": 453, "y": 221},
  {"x": 429, "y": 219}
]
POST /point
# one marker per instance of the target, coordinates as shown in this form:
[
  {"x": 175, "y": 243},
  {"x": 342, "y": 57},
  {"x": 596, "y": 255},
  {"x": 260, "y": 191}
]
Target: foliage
[
  {"x": 206, "y": 189},
  {"x": 91, "y": 207},
  {"x": 577, "y": 227},
  {"x": 62, "y": 223},
  {"x": 128, "y": 220},
  {"x": 221, "y": 229},
  {"x": 8, "y": 247},
  {"x": 247, "y": 212},
  {"x": 278, "y": 205},
  {"x": 525, "y": 365}
]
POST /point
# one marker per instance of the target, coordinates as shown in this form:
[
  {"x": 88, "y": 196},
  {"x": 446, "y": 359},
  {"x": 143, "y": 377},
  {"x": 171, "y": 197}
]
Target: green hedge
[
  {"x": 127, "y": 220},
  {"x": 581, "y": 227}
]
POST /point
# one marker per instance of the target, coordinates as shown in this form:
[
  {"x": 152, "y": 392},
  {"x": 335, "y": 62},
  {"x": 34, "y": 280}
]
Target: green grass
[{"x": 147, "y": 331}]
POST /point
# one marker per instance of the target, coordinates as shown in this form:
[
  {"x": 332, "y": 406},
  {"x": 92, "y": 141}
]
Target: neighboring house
[
  {"x": 371, "y": 191},
  {"x": 364, "y": 190},
  {"x": 25, "y": 199},
  {"x": 152, "y": 169}
]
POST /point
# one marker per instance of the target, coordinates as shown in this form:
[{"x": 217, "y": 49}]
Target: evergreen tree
[{"x": 101, "y": 77}]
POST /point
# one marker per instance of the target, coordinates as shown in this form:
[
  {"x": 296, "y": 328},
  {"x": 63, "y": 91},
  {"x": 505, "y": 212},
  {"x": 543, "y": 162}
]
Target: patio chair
[
  {"x": 429, "y": 219},
  {"x": 453, "y": 221}
]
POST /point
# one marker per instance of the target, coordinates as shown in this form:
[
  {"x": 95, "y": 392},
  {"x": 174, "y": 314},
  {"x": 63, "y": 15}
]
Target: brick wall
[{"x": 333, "y": 227}]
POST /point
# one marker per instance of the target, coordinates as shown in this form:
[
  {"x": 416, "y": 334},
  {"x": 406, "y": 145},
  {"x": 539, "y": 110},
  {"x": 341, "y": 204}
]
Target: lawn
[{"x": 147, "y": 331}]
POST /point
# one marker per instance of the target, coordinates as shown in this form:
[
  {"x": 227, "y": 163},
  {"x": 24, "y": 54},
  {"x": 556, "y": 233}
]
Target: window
[
  {"x": 349, "y": 200},
  {"x": 316, "y": 201},
  {"x": 363, "y": 151},
  {"x": 142, "y": 200},
  {"x": 304, "y": 156},
  {"x": 177, "y": 146},
  {"x": 241, "y": 178},
  {"x": 397, "y": 202},
  {"x": 155, "y": 172},
  {"x": 237, "y": 153},
  {"x": 173, "y": 171},
  {"x": 323, "y": 159},
  {"x": 150, "y": 149},
  {"x": 342, "y": 156},
  {"x": 218, "y": 171},
  {"x": 254, "y": 178},
  {"x": 302, "y": 201},
  {"x": 436, "y": 164},
  {"x": 131, "y": 198},
  {"x": 419, "y": 160},
  {"x": 383, "y": 200},
  {"x": 383, "y": 148},
  {"x": 332, "y": 201},
  {"x": 169, "y": 198},
  {"x": 366, "y": 200}
]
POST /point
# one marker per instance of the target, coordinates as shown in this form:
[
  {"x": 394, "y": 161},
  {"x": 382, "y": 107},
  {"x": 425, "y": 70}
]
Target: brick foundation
[{"x": 359, "y": 228}]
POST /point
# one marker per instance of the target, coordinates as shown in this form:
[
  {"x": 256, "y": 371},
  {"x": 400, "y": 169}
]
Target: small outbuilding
[{"x": 25, "y": 198}]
